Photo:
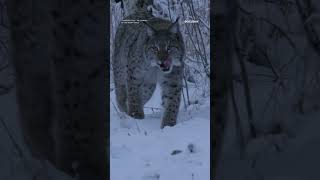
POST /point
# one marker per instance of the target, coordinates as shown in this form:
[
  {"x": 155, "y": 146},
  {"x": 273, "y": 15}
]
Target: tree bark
[
  {"x": 60, "y": 58},
  {"x": 222, "y": 73}
]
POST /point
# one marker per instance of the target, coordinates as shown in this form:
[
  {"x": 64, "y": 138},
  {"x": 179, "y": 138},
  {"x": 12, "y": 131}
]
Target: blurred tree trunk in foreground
[{"x": 60, "y": 59}]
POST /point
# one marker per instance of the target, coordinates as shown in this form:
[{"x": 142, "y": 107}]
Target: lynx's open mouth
[{"x": 165, "y": 65}]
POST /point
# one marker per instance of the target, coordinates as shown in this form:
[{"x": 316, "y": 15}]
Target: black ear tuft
[
  {"x": 177, "y": 20},
  {"x": 174, "y": 27},
  {"x": 150, "y": 29}
]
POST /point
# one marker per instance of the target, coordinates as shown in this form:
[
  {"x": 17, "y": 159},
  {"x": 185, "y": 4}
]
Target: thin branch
[
  {"x": 187, "y": 89},
  {"x": 153, "y": 108},
  {"x": 195, "y": 48},
  {"x": 275, "y": 72},
  {"x": 272, "y": 24},
  {"x": 168, "y": 1},
  {"x": 192, "y": 60},
  {"x": 205, "y": 24},
  {"x": 4, "y": 67},
  {"x": 14, "y": 142},
  {"x": 5, "y": 89}
]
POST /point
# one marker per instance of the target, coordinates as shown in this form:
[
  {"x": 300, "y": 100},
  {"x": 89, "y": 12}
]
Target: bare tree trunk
[
  {"x": 80, "y": 80},
  {"x": 29, "y": 52},
  {"x": 222, "y": 77},
  {"x": 6, "y": 76},
  {"x": 60, "y": 58}
]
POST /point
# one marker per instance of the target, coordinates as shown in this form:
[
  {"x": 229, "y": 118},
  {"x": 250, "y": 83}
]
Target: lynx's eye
[{"x": 171, "y": 48}]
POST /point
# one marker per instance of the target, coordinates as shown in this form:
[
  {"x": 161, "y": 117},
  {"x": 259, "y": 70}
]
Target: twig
[
  {"x": 153, "y": 108},
  {"x": 16, "y": 146},
  {"x": 205, "y": 25},
  {"x": 14, "y": 143},
  {"x": 192, "y": 60},
  {"x": 184, "y": 100},
  {"x": 119, "y": 114},
  {"x": 4, "y": 66},
  {"x": 185, "y": 82},
  {"x": 275, "y": 72},
  {"x": 138, "y": 128},
  {"x": 195, "y": 47},
  {"x": 169, "y": 10},
  {"x": 200, "y": 34},
  {"x": 272, "y": 24},
  {"x": 5, "y": 89},
  {"x": 244, "y": 75}
]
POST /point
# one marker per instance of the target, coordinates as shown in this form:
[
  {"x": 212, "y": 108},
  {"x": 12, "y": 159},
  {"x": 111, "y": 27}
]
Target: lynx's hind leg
[
  {"x": 134, "y": 85},
  {"x": 121, "y": 97}
]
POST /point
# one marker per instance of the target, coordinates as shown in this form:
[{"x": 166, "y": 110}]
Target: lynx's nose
[{"x": 162, "y": 65}]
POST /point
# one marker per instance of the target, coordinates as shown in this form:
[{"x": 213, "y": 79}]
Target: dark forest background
[{"x": 266, "y": 89}]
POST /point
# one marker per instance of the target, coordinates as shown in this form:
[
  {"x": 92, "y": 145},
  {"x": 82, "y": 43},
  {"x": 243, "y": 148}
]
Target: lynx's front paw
[
  {"x": 136, "y": 113},
  {"x": 168, "y": 123}
]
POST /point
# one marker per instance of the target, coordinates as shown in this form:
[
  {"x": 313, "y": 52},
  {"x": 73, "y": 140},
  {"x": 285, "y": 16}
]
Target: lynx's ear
[
  {"x": 150, "y": 29},
  {"x": 174, "y": 27}
]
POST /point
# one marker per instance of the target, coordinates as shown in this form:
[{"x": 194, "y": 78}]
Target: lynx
[{"x": 148, "y": 51}]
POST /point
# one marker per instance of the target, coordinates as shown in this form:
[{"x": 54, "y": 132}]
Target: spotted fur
[{"x": 146, "y": 53}]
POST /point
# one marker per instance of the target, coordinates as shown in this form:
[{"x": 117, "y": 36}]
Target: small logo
[
  {"x": 191, "y": 21},
  {"x": 132, "y": 21}
]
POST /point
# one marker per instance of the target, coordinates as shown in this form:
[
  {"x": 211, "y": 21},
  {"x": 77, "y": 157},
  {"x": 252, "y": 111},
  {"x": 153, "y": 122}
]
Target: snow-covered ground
[
  {"x": 140, "y": 150},
  {"x": 16, "y": 162}
]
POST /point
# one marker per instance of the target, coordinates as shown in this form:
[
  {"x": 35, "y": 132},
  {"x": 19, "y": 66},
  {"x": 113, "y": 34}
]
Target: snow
[
  {"x": 140, "y": 150},
  {"x": 15, "y": 165}
]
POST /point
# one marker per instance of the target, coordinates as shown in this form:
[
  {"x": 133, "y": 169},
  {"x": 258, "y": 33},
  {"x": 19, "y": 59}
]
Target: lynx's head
[
  {"x": 132, "y": 6},
  {"x": 164, "y": 47}
]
